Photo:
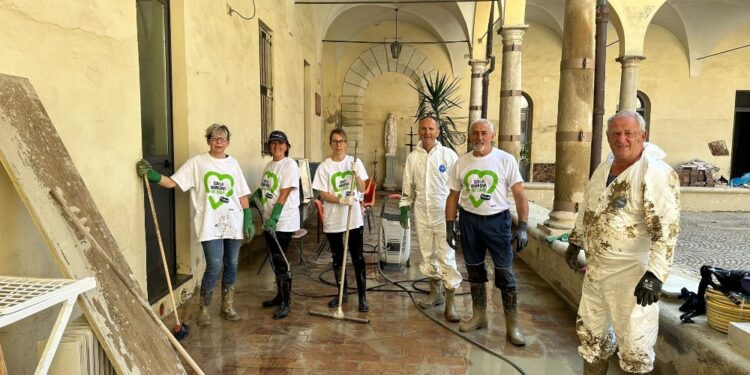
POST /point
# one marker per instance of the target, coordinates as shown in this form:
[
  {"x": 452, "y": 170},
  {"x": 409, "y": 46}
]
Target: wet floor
[{"x": 400, "y": 339}]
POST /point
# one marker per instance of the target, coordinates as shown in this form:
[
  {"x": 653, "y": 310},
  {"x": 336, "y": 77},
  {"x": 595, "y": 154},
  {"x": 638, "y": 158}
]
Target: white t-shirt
[
  {"x": 484, "y": 181},
  {"x": 216, "y": 186},
  {"x": 337, "y": 178},
  {"x": 276, "y": 176}
]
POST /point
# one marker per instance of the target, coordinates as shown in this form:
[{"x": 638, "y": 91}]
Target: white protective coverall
[
  {"x": 426, "y": 185},
  {"x": 625, "y": 229}
]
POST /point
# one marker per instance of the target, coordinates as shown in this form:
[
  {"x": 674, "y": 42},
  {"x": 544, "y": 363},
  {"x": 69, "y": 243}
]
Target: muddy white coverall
[
  {"x": 625, "y": 229},
  {"x": 425, "y": 184}
]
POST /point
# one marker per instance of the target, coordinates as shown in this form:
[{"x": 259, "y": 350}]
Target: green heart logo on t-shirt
[
  {"x": 217, "y": 188},
  {"x": 270, "y": 176},
  {"x": 338, "y": 178},
  {"x": 479, "y": 185}
]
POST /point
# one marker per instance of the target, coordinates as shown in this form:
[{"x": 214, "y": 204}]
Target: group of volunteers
[
  {"x": 221, "y": 199},
  {"x": 628, "y": 227}
]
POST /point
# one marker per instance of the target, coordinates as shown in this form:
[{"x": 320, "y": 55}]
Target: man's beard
[{"x": 481, "y": 148}]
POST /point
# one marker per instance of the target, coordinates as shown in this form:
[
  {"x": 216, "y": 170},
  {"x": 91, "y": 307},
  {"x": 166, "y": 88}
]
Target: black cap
[{"x": 278, "y": 135}]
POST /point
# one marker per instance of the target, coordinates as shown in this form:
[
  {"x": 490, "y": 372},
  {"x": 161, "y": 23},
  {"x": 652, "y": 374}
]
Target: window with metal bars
[{"x": 266, "y": 86}]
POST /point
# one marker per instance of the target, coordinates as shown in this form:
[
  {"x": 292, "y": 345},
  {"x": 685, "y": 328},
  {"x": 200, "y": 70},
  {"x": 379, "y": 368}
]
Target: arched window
[
  {"x": 526, "y": 117},
  {"x": 644, "y": 108}
]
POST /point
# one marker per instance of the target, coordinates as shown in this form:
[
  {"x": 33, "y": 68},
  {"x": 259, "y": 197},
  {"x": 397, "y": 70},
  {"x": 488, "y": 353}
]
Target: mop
[
  {"x": 275, "y": 239},
  {"x": 339, "y": 314},
  {"x": 180, "y": 331}
]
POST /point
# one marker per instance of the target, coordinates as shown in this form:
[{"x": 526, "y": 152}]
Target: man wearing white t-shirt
[
  {"x": 479, "y": 183},
  {"x": 335, "y": 180}
]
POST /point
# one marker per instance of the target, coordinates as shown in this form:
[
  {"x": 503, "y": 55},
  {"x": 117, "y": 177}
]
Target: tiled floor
[{"x": 399, "y": 339}]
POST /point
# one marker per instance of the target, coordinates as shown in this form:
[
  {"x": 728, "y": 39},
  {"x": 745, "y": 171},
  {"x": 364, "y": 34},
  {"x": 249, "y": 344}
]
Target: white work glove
[
  {"x": 356, "y": 166},
  {"x": 348, "y": 201}
]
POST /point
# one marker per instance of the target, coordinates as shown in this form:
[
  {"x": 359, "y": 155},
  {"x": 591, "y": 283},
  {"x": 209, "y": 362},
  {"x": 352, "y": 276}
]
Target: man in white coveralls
[
  {"x": 628, "y": 228},
  {"x": 426, "y": 186}
]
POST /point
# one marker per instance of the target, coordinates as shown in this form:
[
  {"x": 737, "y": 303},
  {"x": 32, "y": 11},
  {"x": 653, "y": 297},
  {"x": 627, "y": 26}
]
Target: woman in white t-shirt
[
  {"x": 218, "y": 192},
  {"x": 334, "y": 179},
  {"x": 278, "y": 199}
]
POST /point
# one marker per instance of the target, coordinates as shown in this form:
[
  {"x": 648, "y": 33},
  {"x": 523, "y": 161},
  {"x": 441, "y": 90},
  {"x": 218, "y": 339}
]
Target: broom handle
[
  {"x": 352, "y": 188},
  {"x": 161, "y": 248},
  {"x": 125, "y": 280}
]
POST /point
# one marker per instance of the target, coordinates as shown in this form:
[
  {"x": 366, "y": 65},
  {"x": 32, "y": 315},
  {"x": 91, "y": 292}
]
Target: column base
[
  {"x": 558, "y": 223},
  {"x": 390, "y": 182}
]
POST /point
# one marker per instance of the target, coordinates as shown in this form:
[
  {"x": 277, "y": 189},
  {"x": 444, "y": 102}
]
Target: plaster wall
[{"x": 82, "y": 59}]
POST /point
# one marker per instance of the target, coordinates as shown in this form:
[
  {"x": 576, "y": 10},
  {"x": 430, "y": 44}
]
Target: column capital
[
  {"x": 479, "y": 62},
  {"x": 630, "y": 60},
  {"x": 512, "y": 33}
]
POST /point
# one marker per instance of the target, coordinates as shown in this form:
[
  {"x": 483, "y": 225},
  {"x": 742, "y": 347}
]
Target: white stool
[{"x": 22, "y": 297}]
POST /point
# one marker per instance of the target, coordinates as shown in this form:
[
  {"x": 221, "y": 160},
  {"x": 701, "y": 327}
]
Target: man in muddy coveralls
[{"x": 627, "y": 226}]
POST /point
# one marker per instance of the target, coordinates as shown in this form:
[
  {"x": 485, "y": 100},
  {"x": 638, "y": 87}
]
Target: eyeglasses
[
  {"x": 337, "y": 141},
  {"x": 219, "y": 139}
]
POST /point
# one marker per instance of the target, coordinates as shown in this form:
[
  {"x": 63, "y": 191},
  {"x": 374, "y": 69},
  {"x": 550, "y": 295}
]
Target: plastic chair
[{"x": 369, "y": 202}]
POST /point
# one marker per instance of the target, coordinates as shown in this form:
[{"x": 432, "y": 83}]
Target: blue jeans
[
  {"x": 219, "y": 252},
  {"x": 482, "y": 233}
]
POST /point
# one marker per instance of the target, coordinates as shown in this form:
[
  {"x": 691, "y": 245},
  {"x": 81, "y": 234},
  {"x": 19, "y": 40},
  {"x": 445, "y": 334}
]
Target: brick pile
[{"x": 693, "y": 176}]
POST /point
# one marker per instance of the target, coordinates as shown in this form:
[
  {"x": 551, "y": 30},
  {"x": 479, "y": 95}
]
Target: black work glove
[
  {"x": 571, "y": 256},
  {"x": 521, "y": 237},
  {"x": 450, "y": 233},
  {"x": 648, "y": 289}
]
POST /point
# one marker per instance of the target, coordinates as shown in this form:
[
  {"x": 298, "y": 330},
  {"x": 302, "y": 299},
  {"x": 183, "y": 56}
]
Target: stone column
[
  {"x": 574, "y": 115},
  {"x": 475, "y": 100},
  {"x": 629, "y": 82},
  {"x": 509, "y": 134}
]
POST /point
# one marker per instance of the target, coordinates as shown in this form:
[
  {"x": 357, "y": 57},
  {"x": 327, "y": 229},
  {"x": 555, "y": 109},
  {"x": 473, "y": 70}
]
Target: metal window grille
[{"x": 266, "y": 86}]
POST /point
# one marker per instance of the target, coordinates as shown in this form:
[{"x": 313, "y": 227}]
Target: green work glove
[
  {"x": 274, "y": 219},
  {"x": 143, "y": 167},
  {"x": 404, "y": 217},
  {"x": 255, "y": 198},
  {"x": 247, "y": 226}
]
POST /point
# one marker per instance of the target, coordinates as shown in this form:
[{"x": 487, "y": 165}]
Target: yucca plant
[{"x": 436, "y": 100}]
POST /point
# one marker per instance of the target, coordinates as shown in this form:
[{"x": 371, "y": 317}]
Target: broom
[
  {"x": 180, "y": 331},
  {"x": 339, "y": 314}
]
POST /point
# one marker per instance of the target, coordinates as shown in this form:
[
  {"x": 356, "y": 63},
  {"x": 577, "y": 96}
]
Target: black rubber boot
[
  {"x": 361, "y": 289},
  {"x": 599, "y": 368},
  {"x": 286, "y": 297},
  {"x": 275, "y": 300},
  {"x": 334, "y": 302}
]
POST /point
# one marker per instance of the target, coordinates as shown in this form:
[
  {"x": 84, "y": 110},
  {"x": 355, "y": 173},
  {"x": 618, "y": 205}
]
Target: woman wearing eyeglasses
[
  {"x": 219, "y": 195},
  {"x": 333, "y": 180}
]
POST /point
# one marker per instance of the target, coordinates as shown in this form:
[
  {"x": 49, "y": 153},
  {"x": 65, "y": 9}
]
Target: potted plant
[{"x": 437, "y": 99}]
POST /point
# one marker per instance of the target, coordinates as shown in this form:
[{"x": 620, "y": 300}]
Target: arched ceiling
[
  {"x": 699, "y": 25},
  {"x": 446, "y": 21}
]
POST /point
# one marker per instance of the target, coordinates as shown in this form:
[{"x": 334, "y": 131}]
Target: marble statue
[{"x": 390, "y": 135}]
